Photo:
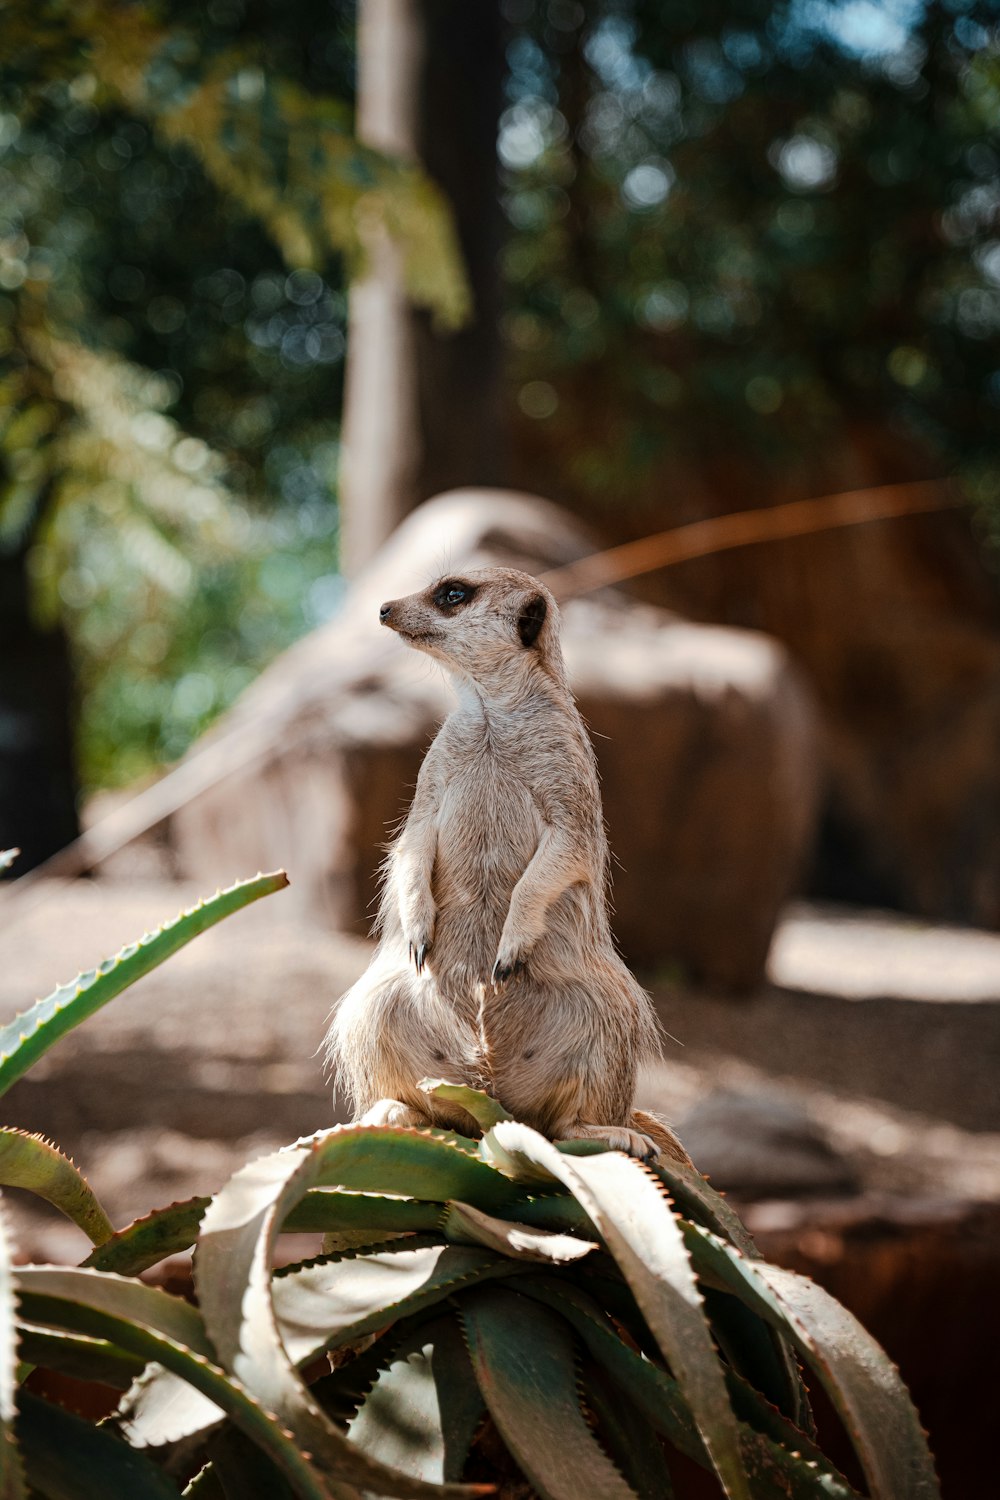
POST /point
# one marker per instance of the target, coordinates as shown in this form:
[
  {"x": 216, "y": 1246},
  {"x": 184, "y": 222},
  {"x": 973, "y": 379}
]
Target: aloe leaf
[
  {"x": 11, "y": 1473},
  {"x": 330, "y": 1211},
  {"x": 422, "y": 1412},
  {"x": 559, "y": 1212},
  {"x": 174, "y": 1229},
  {"x": 73, "y": 1291},
  {"x": 68, "y": 1458},
  {"x": 31, "y": 1162},
  {"x": 79, "y": 1355},
  {"x": 7, "y": 858},
  {"x": 862, "y": 1383},
  {"x": 205, "y": 1485},
  {"x": 147, "y": 1241},
  {"x": 325, "y": 1304},
  {"x": 631, "y": 1442},
  {"x": 485, "y": 1110},
  {"x": 159, "y": 1328},
  {"x": 463, "y": 1224},
  {"x": 696, "y": 1200},
  {"x": 525, "y": 1361},
  {"x": 341, "y": 1393},
  {"x": 334, "y": 1302},
  {"x": 233, "y": 1278},
  {"x": 627, "y": 1208},
  {"x": 420, "y": 1164},
  {"x": 29, "y": 1036},
  {"x": 162, "y": 1406},
  {"x": 751, "y": 1347},
  {"x": 239, "y": 1472},
  {"x": 785, "y": 1468}
]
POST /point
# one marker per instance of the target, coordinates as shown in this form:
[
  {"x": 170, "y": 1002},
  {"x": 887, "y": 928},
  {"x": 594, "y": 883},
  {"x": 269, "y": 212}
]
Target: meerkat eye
[{"x": 452, "y": 593}]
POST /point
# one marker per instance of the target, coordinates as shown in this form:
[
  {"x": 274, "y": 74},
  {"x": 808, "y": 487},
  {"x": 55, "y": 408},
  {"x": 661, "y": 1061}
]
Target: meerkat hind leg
[
  {"x": 618, "y": 1137},
  {"x": 663, "y": 1138}
]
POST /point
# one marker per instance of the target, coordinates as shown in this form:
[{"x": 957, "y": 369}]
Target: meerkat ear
[{"x": 531, "y": 618}]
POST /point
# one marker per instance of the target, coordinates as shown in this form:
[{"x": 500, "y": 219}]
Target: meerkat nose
[{"x": 384, "y": 612}]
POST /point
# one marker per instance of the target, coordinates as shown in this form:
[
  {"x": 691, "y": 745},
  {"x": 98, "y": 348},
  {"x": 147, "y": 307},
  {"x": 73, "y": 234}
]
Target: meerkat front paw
[
  {"x": 418, "y": 952},
  {"x": 418, "y": 930},
  {"x": 504, "y": 968}
]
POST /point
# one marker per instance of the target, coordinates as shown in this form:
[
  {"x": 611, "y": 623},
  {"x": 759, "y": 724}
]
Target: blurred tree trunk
[
  {"x": 37, "y": 777},
  {"x": 422, "y": 409}
]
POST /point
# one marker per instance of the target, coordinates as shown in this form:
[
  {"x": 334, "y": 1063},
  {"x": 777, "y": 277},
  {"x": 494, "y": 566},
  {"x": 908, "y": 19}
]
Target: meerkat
[{"x": 495, "y": 965}]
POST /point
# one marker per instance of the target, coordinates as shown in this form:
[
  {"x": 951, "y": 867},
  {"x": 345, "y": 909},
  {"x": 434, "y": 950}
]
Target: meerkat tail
[{"x": 661, "y": 1135}]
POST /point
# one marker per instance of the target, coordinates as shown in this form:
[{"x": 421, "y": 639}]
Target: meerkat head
[{"x": 491, "y": 625}]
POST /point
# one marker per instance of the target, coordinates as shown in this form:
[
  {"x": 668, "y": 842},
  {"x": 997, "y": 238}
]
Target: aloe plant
[{"x": 483, "y": 1307}]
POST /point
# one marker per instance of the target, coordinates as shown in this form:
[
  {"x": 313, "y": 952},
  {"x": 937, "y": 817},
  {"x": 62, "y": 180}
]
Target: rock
[
  {"x": 705, "y": 740},
  {"x": 764, "y": 1145}
]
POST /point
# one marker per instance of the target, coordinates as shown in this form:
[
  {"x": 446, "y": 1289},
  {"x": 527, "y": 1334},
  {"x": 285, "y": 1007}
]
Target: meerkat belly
[{"x": 488, "y": 831}]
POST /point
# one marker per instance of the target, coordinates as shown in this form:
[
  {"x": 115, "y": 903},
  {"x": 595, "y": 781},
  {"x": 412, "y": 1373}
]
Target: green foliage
[
  {"x": 773, "y": 223},
  {"x": 184, "y": 201},
  {"x": 592, "y": 1316},
  {"x": 30, "y": 1035}
]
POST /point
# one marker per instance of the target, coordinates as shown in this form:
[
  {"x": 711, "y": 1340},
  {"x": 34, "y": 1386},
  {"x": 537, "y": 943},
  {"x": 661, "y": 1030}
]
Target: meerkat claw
[
  {"x": 502, "y": 972},
  {"x": 418, "y": 955}
]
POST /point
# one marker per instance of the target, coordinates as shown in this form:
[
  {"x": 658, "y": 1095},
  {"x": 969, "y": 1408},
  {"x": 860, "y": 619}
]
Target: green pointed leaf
[
  {"x": 146, "y": 1241},
  {"x": 785, "y": 1467},
  {"x": 330, "y": 1303},
  {"x": 11, "y": 1474},
  {"x": 233, "y": 1276},
  {"x": 463, "y": 1224},
  {"x": 162, "y": 1406},
  {"x": 423, "y": 1410},
  {"x": 31, "y": 1162},
  {"x": 29, "y": 1036},
  {"x": 239, "y": 1472},
  {"x": 205, "y": 1485},
  {"x": 68, "y": 1458},
  {"x": 484, "y": 1110},
  {"x": 697, "y": 1201},
  {"x": 326, "y": 1304},
  {"x": 628, "y": 1210},
  {"x": 753, "y": 1348},
  {"x": 78, "y": 1355},
  {"x": 174, "y": 1229},
  {"x": 341, "y": 1393},
  {"x": 332, "y": 1211},
  {"x": 64, "y": 1296},
  {"x": 863, "y": 1385},
  {"x": 158, "y": 1328},
  {"x": 559, "y": 1212},
  {"x": 630, "y": 1441},
  {"x": 526, "y": 1365},
  {"x": 422, "y": 1164}
]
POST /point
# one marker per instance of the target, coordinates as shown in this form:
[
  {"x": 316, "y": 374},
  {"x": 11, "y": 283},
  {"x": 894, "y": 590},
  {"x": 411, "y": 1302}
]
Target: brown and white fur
[{"x": 496, "y": 966}]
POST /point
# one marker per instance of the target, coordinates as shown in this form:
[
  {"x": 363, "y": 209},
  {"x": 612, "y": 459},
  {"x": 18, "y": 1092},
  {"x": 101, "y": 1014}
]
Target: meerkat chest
[{"x": 489, "y": 826}]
